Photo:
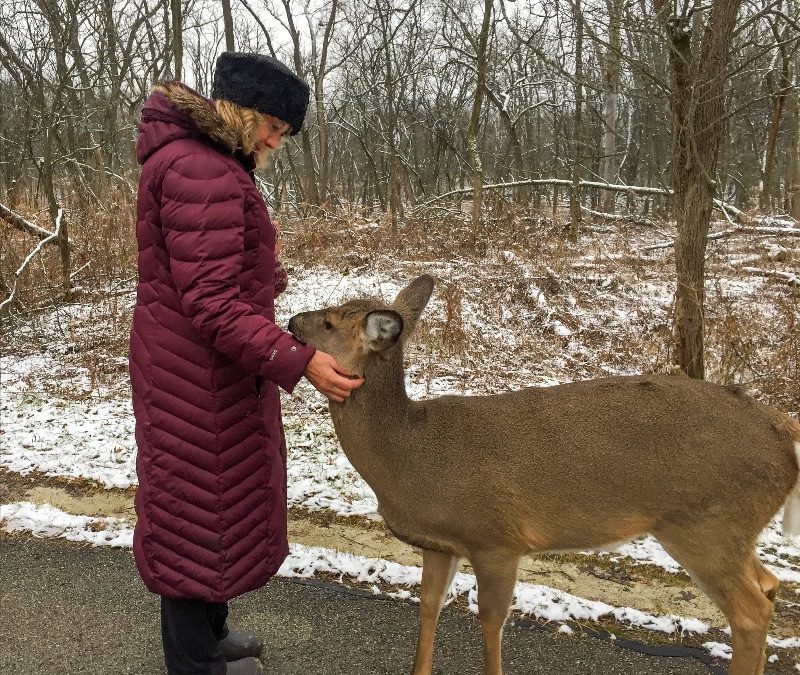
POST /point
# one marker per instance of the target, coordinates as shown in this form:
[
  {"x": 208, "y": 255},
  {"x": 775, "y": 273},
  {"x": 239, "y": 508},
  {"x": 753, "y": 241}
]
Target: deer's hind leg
[
  {"x": 496, "y": 572},
  {"x": 743, "y": 589},
  {"x": 769, "y": 585},
  {"x": 747, "y": 600},
  {"x": 438, "y": 570}
]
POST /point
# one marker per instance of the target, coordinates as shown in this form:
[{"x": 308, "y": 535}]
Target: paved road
[{"x": 71, "y": 610}]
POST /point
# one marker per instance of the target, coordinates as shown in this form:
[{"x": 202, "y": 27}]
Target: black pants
[{"x": 191, "y": 630}]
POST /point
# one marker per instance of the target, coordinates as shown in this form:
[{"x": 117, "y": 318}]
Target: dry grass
[{"x": 103, "y": 248}]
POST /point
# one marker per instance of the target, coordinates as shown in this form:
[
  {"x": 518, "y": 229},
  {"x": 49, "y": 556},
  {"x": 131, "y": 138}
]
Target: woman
[{"x": 207, "y": 358}]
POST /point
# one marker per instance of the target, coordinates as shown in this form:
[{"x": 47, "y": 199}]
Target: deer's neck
[
  {"x": 375, "y": 421},
  {"x": 382, "y": 394}
]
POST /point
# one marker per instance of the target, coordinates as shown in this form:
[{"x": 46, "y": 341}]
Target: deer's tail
[{"x": 791, "y": 509}]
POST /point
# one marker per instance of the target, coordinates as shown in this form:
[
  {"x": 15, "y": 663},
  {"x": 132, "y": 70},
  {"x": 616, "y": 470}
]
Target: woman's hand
[{"x": 330, "y": 378}]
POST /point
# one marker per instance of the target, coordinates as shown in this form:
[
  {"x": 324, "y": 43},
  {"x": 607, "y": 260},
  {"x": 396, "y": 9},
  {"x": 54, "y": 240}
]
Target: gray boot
[
  {"x": 239, "y": 644},
  {"x": 248, "y": 666}
]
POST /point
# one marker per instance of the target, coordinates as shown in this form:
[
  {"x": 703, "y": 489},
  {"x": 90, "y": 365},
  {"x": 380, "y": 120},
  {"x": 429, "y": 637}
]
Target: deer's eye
[{"x": 327, "y": 324}]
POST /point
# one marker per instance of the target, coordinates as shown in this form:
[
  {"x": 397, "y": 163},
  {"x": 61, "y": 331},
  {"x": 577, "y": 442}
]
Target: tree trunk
[
  {"x": 511, "y": 129},
  {"x": 177, "y": 37},
  {"x": 227, "y": 19},
  {"x": 697, "y": 113},
  {"x": 309, "y": 169},
  {"x": 778, "y": 102},
  {"x": 793, "y": 165},
  {"x": 322, "y": 121},
  {"x": 474, "y": 121},
  {"x": 577, "y": 144},
  {"x": 391, "y": 133},
  {"x": 47, "y": 179},
  {"x": 556, "y": 154},
  {"x": 608, "y": 169}
]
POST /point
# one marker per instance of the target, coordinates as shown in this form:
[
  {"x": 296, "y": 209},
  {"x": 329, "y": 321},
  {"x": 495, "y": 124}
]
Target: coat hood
[{"x": 174, "y": 111}]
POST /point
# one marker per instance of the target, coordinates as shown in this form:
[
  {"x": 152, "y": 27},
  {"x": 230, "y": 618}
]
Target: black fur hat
[{"x": 262, "y": 83}]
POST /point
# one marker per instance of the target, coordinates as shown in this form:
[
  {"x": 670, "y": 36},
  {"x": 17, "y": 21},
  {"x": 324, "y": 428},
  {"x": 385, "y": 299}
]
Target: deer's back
[{"x": 602, "y": 452}]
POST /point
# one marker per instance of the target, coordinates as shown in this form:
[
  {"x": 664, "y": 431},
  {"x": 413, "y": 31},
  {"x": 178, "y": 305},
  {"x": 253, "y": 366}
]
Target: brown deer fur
[{"x": 578, "y": 466}]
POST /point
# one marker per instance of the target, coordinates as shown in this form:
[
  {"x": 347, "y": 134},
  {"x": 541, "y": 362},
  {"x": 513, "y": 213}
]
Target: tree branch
[
  {"x": 17, "y": 221},
  {"x": 53, "y": 236},
  {"x": 789, "y": 277}
]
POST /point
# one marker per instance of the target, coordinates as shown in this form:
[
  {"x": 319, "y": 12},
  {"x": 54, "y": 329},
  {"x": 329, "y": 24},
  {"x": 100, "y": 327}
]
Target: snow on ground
[
  {"x": 498, "y": 325},
  {"x": 306, "y": 562},
  {"x": 45, "y": 521},
  {"x": 71, "y": 439},
  {"x": 502, "y": 323}
]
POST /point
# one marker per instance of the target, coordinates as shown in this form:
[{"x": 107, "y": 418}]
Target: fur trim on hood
[{"x": 200, "y": 111}]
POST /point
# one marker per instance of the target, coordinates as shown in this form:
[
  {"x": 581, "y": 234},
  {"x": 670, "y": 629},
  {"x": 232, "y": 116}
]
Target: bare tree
[
  {"x": 781, "y": 84},
  {"x": 611, "y": 84},
  {"x": 227, "y": 19},
  {"x": 793, "y": 165},
  {"x": 177, "y": 37},
  {"x": 698, "y": 79},
  {"x": 320, "y": 54},
  {"x": 432, "y": 98},
  {"x": 474, "y": 121},
  {"x": 577, "y": 132}
]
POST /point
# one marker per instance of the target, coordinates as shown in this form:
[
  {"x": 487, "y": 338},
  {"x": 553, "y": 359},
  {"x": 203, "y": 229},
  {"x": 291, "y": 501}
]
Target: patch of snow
[
  {"x": 71, "y": 439},
  {"x": 784, "y": 643},
  {"x": 718, "y": 650},
  {"x": 44, "y": 520},
  {"x": 560, "y": 329},
  {"x": 647, "y": 550},
  {"x": 779, "y": 556}
]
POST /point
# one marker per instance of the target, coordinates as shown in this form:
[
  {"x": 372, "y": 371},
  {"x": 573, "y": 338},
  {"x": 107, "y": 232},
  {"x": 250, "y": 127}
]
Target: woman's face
[
  {"x": 268, "y": 138},
  {"x": 270, "y": 133}
]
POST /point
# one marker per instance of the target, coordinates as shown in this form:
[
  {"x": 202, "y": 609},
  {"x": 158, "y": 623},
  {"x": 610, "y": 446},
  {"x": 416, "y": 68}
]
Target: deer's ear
[
  {"x": 382, "y": 328},
  {"x": 412, "y": 300}
]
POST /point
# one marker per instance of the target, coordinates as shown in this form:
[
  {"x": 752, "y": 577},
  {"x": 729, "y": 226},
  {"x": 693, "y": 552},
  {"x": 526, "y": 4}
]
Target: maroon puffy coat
[{"x": 206, "y": 361}]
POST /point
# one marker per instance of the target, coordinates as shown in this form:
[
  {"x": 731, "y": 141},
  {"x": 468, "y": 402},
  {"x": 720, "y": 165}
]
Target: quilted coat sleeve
[{"x": 202, "y": 217}]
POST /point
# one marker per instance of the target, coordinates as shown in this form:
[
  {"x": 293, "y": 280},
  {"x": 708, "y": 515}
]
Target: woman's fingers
[
  {"x": 330, "y": 378},
  {"x": 339, "y": 368},
  {"x": 339, "y": 388}
]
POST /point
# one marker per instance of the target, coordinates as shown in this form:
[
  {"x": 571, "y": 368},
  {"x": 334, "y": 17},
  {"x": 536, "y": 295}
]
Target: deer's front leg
[
  {"x": 496, "y": 572},
  {"x": 438, "y": 570}
]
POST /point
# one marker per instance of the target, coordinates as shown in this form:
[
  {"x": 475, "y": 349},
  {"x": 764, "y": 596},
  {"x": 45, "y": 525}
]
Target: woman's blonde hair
[{"x": 243, "y": 121}]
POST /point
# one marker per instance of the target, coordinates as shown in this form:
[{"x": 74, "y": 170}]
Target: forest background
[{"x": 475, "y": 121}]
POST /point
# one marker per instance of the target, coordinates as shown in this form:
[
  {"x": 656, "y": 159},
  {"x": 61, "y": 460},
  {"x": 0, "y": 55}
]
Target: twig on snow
[
  {"x": 790, "y": 278},
  {"x": 737, "y": 229}
]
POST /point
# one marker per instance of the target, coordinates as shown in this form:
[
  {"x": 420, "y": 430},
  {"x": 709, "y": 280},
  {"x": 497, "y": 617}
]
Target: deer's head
[{"x": 362, "y": 330}]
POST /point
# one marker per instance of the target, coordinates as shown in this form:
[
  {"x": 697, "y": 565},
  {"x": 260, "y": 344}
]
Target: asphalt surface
[{"x": 71, "y": 610}]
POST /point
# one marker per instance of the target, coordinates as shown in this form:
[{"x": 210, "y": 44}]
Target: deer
[{"x": 586, "y": 465}]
